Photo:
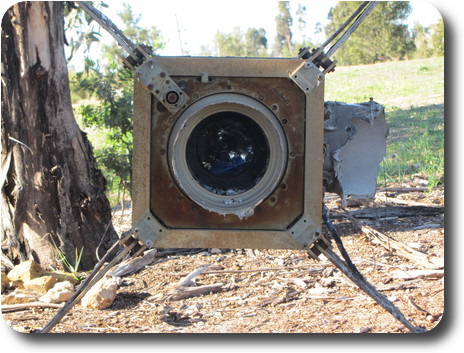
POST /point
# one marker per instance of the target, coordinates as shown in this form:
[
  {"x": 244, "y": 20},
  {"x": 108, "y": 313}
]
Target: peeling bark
[{"x": 52, "y": 192}]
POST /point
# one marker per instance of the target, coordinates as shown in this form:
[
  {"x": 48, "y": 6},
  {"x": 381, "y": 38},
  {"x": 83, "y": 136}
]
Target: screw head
[{"x": 172, "y": 97}]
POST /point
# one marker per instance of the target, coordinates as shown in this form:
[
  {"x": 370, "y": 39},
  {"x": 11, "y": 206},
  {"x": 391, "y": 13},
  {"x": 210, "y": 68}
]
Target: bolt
[
  {"x": 172, "y": 97},
  {"x": 150, "y": 86}
]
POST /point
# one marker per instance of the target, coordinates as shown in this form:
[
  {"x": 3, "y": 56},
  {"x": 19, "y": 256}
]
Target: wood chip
[{"x": 391, "y": 244}]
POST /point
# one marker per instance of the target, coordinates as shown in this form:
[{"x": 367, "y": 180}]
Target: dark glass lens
[{"x": 227, "y": 153}]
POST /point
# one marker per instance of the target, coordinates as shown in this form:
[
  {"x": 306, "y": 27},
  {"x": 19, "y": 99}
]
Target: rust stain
[{"x": 280, "y": 209}]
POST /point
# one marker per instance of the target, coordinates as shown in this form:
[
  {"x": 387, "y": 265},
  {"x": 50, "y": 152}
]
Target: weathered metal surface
[
  {"x": 355, "y": 142},
  {"x": 290, "y": 217},
  {"x": 307, "y": 76},
  {"x": 281, "y": 208},
  {"x": 158, "y": 82},
  {"x": 229, "y": 67}
]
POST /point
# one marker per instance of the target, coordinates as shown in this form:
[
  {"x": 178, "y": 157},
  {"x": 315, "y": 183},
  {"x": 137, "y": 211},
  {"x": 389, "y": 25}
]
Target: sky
[{"x": 194, "y": 23}]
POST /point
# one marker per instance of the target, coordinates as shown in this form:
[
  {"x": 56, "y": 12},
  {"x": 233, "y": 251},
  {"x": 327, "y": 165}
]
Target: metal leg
[
  {"x": 368, "y": 288},
  {"x": 98, "y": 273},
  {"x": 349, "y": 269}
]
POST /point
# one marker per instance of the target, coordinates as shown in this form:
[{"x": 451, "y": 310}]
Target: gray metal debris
[{"x": 354, "y": 145}]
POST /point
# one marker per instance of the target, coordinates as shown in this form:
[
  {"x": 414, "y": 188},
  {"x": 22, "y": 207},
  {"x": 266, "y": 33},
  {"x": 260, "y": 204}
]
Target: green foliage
[
  {"x": 135, "y": 32},
  {"x": 113, "y": 117},
  {"x": 283, "y": 45},
  {"x": 429, "y": 41},
  {"x": 109, "y": 116},
  {"x": 383, "y": 36},
  {"x": 416, "y": 145},
  {"x": 413, "y": 95},
  {"x": 253, "y": 43},
  {"x": 80, "y": 28},
  {"x": 73, "y": 269}
]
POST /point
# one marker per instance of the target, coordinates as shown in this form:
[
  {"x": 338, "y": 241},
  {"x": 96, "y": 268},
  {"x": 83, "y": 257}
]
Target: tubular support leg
[
  {"x": 98, "y": 273},
  {"x": 368, "y": 288}
]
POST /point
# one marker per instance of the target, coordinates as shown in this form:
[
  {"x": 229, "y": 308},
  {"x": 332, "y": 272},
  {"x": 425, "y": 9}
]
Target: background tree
[
  {"x": 438, "y": 38},
  {"x": 52, "y": 193},
  {"x": 112, "y": 115},
  {"x": 383, "y": 36},
  {"x": 429, "y": 41},
  {"x": 283, "y": 45},
  {"x": 230, "y": 44},
  {"x": 253, "y": 43}
]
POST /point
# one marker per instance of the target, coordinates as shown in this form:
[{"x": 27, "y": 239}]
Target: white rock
[
  {"x": 101, "y": 295},
  {"x": 61, "y": 292}
]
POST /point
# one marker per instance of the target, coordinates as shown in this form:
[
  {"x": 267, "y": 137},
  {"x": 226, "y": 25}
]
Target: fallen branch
[
  {"x": 187, "y": 281},
  {"x": 394, "y": 211},
  {"x": 187, "y": 292},
  {"x": 411, "y": 300},
  {"x": 395, "y": 201},
  {"x": 134, "y": 265},
  {"x": 185, "y": 287},
  {"x": 263, "y": 269},
  {"x": 397, "y": 286},
  {"x": 405, "y": 189},
  {"x": 25, "y": 306},
  {"x": 392, "y": 244},
  {"x": 416, "y": 274}
]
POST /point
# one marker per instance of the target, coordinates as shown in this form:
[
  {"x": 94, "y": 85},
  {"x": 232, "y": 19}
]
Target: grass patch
[
  {"x": 413, "y": 95},
  {"x": 415, "y": 145}
]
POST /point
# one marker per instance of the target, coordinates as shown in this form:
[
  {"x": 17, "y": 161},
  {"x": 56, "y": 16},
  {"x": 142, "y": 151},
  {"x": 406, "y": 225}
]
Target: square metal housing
[{"x": 164, "y": 216}]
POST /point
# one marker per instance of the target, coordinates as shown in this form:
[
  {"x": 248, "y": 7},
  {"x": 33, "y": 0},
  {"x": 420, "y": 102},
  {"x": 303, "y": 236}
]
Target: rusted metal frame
[
  {"x": 156, "y": 234},
  {"x": 313, "y": 151},
  {"x": 230, "y": 67},
  {"x": 289, "y": 108},
  {"x": 141, "y": 152},
  {"x": 157, "y": 81}
]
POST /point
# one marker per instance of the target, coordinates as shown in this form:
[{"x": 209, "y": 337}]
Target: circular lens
[{"x": 227, "y": 153}]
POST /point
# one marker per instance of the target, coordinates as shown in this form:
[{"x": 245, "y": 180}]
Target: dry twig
[
  {"x": 392, "y": 244},
  {"x": 26, "y": 306}
]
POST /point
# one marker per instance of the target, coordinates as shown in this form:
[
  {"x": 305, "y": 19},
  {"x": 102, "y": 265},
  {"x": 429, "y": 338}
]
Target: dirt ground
[{"x": 276, "y": 291}]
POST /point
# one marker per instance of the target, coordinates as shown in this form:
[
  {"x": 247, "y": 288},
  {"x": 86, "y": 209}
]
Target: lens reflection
[{"x": 227, "y": 153}]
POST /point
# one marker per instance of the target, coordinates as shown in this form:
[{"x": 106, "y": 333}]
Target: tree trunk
[{"x": 52, "y": 194}]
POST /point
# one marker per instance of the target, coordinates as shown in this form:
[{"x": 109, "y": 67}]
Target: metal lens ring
[{"x": 227, "y": 152}]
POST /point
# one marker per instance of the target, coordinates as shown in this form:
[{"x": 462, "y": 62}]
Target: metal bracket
[
  {"x": 321, "y": 243},
  {"x": 147, "y": 229},
  {"x": 307, "y": 76},
  {"x": 161, "y": 85}
]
